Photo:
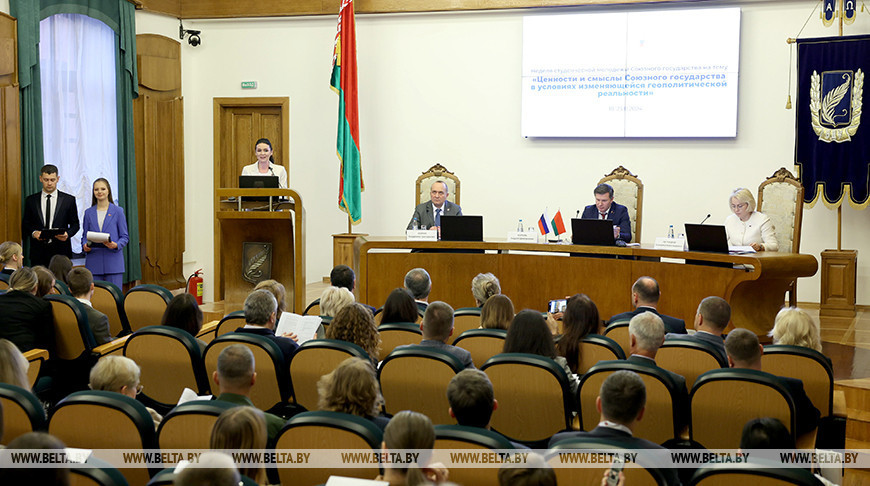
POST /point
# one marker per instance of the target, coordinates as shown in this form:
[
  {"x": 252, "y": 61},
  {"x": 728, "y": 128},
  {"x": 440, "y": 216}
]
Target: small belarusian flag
[
  {"x": 558, "y": 224},
  {"x": 542, "y": 224}
]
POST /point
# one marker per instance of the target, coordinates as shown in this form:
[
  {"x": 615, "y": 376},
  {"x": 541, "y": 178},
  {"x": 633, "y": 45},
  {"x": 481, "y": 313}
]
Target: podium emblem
[{"x": 256, "y": 261}]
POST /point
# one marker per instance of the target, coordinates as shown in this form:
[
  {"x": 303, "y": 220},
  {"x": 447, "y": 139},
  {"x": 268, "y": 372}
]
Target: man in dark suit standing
[
  {"x": 605, "y": 208},
  {"x": 53, "y": 209},
  {"x": 710, "y": 322},
  {"x": 428, "y": 214},
  {"x": 744, "y": 352},
  {"x": 645, "y": 294},
  {"x": 621, "y": 403}
]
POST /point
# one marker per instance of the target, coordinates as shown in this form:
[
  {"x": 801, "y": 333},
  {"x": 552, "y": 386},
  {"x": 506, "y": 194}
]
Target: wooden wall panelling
[
  {"x": 10, "y": 131},
  {"x": 159, "y": 138}
]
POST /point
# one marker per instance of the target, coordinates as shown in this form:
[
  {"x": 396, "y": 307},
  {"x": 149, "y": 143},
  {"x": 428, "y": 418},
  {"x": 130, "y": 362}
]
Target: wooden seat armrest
[
  {"x": 208, "y": 328},
  {"x": 35, "y": 354},
  {"x": 807, "y": 440},
  {"x": 112, "y": 347}
]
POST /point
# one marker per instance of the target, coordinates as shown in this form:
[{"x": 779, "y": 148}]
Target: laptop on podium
[
  {"x": 706, "y": 237},
  {"x": 461, "y": 228},
  {"x": 590, "y": 231}
]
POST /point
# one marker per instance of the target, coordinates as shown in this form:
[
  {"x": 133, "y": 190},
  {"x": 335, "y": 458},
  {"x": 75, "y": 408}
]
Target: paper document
[
  {"x": 305, "y": 327},
  {"x": 740, "y": 249},
  {"x": 97, "y": 237},
  {"x": 189, "y": 395}
]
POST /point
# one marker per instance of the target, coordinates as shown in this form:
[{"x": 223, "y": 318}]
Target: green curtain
[{"x": 119, "y": 15}]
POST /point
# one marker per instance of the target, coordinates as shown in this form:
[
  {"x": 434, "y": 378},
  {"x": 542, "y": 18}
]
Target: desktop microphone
[
  {"x": 705, "y": 219},
  {"x": 578, "y": 215}
]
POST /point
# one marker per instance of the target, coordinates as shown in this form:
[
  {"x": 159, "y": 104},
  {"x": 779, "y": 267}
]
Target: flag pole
[{"x": 840, "y": 206}]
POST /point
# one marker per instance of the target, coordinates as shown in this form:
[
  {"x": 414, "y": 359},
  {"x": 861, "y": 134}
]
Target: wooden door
[
  {"x": 10, "y": 132},
  {"x": 240, "y": 122}
]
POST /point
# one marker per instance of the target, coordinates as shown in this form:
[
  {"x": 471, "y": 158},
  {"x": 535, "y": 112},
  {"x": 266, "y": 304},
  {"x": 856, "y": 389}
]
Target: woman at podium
[
  {"x": 748, "y": 227},
  {"x": 265, "y": 164}
]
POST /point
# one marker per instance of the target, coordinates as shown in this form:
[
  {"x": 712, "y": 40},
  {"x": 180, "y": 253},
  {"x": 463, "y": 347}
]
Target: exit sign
[{"x": 249, "y": 85}]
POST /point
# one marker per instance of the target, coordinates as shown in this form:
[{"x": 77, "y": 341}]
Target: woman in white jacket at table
[{"x": 748, "y": 227}]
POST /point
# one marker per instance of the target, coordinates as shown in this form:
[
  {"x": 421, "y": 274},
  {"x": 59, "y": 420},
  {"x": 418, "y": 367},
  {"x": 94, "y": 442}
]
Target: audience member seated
[
  {"x": 184, "y": 313},
  {"x": 13, "y": 365},
  {"x": 411, "y": 430},
  {"x": 45, "y": 281},
  {"x": 793, "y": 326},
  {"x": 497, "y": 312},
  {"x": 60, "y": 265},
  {"x": 42, "y": 476},
  {"x": 11, "y": 257},
  {"x": 352, "y": 388},
  {"x": 81, "y": 286},
  {"x": 484, "y": 286},
  {"x": 343, "y": 276},
  {"x": 645, "y": 294},
  {"x": 333, "y": 300},
  {"x": 119, "y": 374},
  {"x": 621, "y": 403},
  {"x": 529, "y": 333},
  {"x": 356, "y": 325},
  {"x": 235, "y": 376},
  {"x": 710, "y": 322},
  {"x": 27, "y": 319},
  {"x": 437, "y": 327},
  {"x": 472, "y": 401},
  {"x": 769, "y": 433},
  {"x": 261, "y": 311},
  {"x": 579, "y": 320},
  {"x": 535, "y": 472},
  {"x": 241, "y": 428},
  {"x": 744, "y": 352},
  {"x": 280, "y": 293},
  {"x": 399, "y": 307},
  {"x": 418, "y": 283},
  {"x": 211, "y": 469}
]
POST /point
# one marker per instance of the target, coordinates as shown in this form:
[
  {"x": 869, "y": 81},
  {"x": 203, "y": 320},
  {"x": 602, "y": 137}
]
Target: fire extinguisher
[{"x": 194, "y": 286}]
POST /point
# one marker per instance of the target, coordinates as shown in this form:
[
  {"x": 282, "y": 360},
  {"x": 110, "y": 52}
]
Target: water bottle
[
  {"x": 415, "y": 225},
  {"x": 520, "y": 226},
  {"x": 671, "y": 231}
]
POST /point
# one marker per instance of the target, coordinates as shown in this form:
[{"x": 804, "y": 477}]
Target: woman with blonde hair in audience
[
  {"x": 27, "y": 319},
  {"x": 411, "y": 430},
  {"x": 119, "y": 374},
  {"x": 399, "y": 307},
  {"x": 278, "y": 290},
  {"x": 13, "y": 365},
  {"x": 484, "y": 286},
  {"x": 60, "y": 265},
  {"x": 333, "y": 300},
  {"x": 352, "y": 388},
  {"x": 793, "y": 326},
  {"x": 579, "y": 320},
  {"x": 45, "y": 281},
  {"x": 497, "y": 312},
  {"x": 241, "y": 428},
  {"x": 356, "y": 325},
  {"x": 11, "y": 257}
]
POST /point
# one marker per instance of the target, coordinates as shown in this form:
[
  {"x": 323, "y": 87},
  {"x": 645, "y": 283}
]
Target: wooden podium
[{"x": 239, "y": 220}]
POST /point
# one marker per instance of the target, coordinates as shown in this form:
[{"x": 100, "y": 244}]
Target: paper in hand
[{"x": 98, "y": 237}]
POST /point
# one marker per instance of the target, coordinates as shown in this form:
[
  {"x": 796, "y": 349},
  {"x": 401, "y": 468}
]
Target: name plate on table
[
  {"x": 421, "y": 235},
  {"x": 678, "y": 244},
  {"x": 522, "y": 237}
]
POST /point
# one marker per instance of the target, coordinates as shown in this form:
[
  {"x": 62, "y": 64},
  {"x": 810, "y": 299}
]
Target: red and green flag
[{"x": 343, "y": 82}]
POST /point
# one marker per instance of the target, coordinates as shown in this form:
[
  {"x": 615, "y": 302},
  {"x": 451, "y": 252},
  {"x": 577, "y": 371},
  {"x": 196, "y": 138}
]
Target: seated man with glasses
[{"x": 748, "y": 227}]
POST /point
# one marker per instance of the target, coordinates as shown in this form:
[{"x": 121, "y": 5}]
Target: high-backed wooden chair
[
  {"x": 689, "y": 358},
  {"x": 230, "y": 323},
  {"x": 628, "y": 191},
  {"x": 717, "y": 421},
  {"x": 145, "y": 305},
  {"x": 647, "y": 476},
  {"x": 752, "y": 473},
  {"x": 36, "y": 358},
  {"x": 96, "y": 472},
  {"x": 109, "y": 300},
  {"x": 662, "y": 420},
  {"x": 465, "y": 319},
  {"x": 618, "y": 331},
  {"x": 416, "y": 378},
  {"x": 481, "y": 343},
  {"x": 188, "y": 426},
  {"x": 396, "y": 334},
  {"x": 105, "y": 420},
  {"x": 437, "y": 173},
  {"x": 314, "y": 359},
  {"x": 595, "y": 348},
  {"x": 781, "y": 198},
  {"x": 458, "y": 437},
  {"x": 328, "y": 430},
  {"x": 533, "y": 395},
  {"x": 807, "y": 365},
  {"x": 170, "y": 360},
  {"x": 22, "y": 412},
  {"x": 273, "y": 381}
]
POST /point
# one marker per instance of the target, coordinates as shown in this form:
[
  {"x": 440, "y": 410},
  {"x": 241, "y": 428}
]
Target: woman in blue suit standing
[{"x": 105, "y": 260}]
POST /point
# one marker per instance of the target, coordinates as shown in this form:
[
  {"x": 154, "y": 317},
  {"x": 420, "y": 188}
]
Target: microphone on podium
[
  {"x": 705, "y": 219},
  {"x": 578, "y": 215}
]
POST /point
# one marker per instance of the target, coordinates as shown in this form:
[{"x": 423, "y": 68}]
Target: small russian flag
[{"x": 542, "y": 224}]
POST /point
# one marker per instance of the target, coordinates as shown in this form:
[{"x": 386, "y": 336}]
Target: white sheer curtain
[{"x": 80, "y": 131}]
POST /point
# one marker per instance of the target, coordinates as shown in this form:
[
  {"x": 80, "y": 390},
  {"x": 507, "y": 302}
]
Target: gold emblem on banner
[{"x": 828, "y": 123}]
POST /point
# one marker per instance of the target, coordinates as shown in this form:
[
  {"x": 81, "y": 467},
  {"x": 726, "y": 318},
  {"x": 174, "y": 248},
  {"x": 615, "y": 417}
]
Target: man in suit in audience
[
  {"x": 342, "y": 276},
  {"x": 261, "y": 310},
  {"x": 81, "y": 286},
  {"x": 744, "y": 352},
  {"x": 605, "y": 208},
  {"x": 428, "y": 214},
  {"x": 419, "y": 285},
  {"x": 621, "y": 403},
  {"x": 62, "y": 215},
  {"x": 437, "y": 327},
  {"x": 710, "y": 322},
  {"x": 235, "y": 376},
  {"x": 472, "y": 401},
  {"x": 645, "y": 295}
]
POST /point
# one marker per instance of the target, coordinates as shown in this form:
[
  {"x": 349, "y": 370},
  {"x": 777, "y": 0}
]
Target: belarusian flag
[
  {"x": 343, "y": 82},
  {"x": 558, "y": 224}
]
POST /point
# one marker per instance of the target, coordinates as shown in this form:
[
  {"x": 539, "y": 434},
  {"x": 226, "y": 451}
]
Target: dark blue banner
[{"x": 832, "y": 140}]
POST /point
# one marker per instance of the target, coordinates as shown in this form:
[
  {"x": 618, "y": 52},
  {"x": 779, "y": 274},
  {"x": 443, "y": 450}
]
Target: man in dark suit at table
[
  {"x": 645, "y": 294},
  {"x": 53, "y": 209},
  {"x": 710, "y": 322},
  {"x": 606, "y": 208},
  {"x": 428, "y": 214},
  {"x": 744, "y": 352}
]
